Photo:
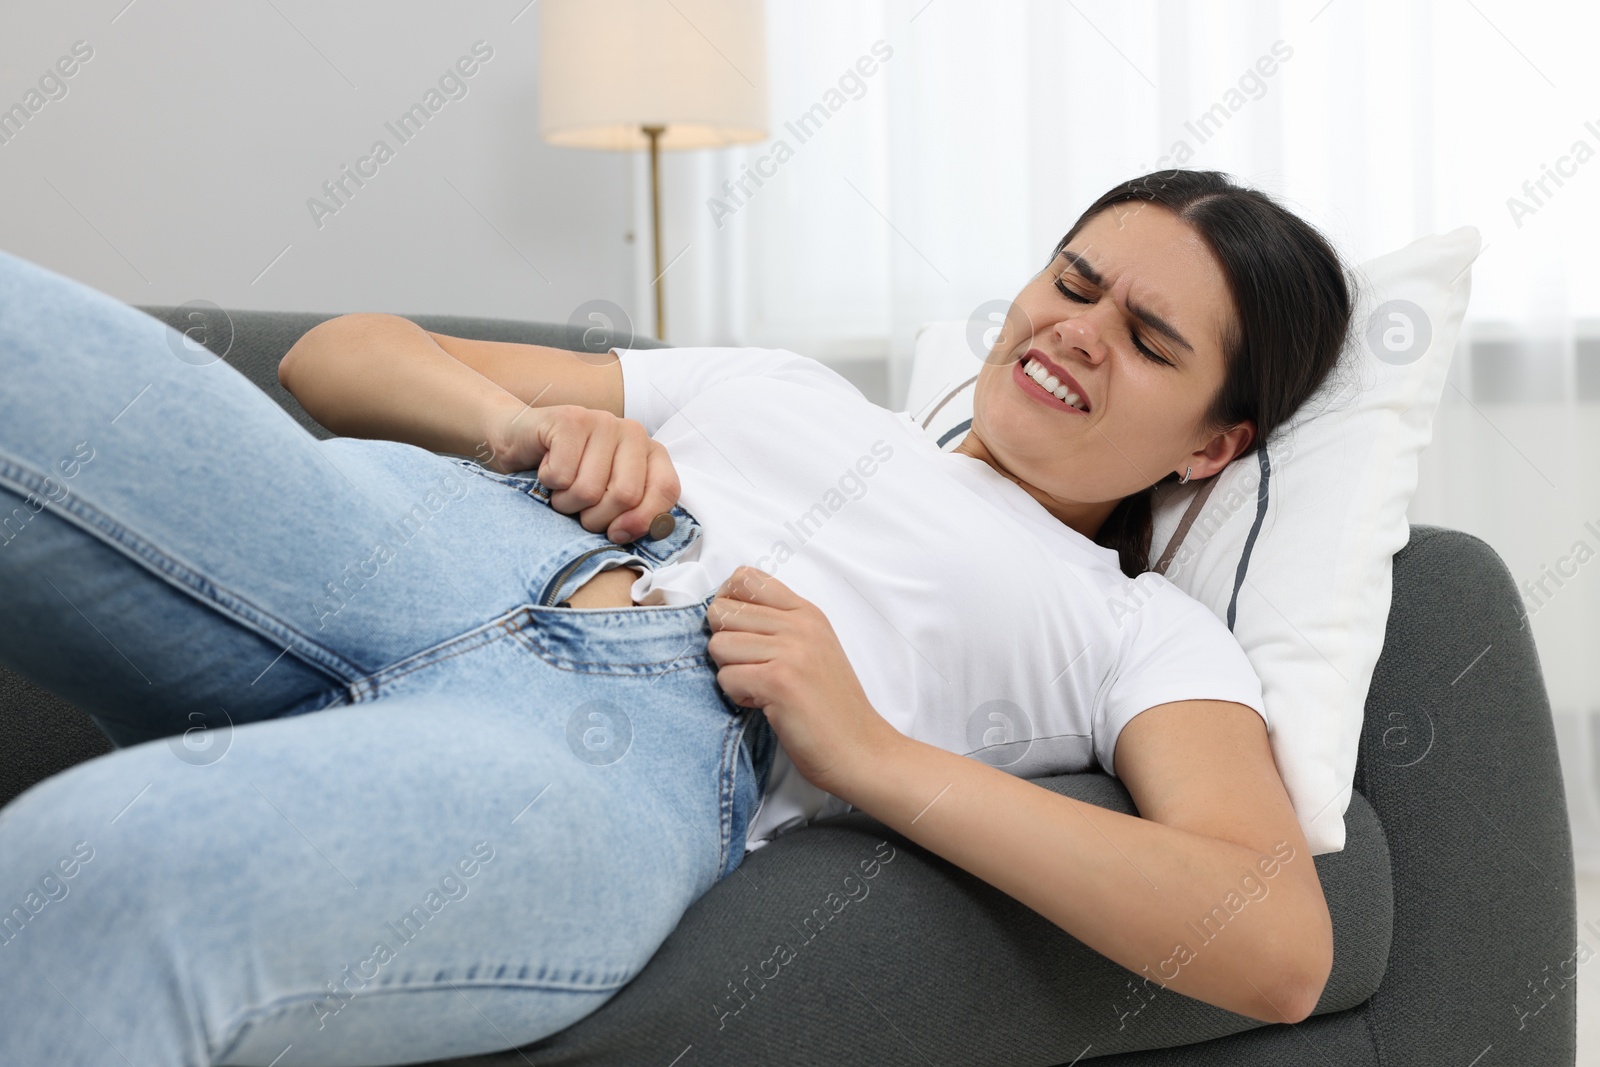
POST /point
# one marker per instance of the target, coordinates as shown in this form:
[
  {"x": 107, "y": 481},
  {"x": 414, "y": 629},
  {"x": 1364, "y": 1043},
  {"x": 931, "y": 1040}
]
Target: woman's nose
[{"x": 1085, "y": 333}]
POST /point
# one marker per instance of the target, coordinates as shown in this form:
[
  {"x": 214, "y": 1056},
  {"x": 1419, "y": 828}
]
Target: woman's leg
[
  {"x": 177, "y": 553},
  {"x": 479, "y": 855}
]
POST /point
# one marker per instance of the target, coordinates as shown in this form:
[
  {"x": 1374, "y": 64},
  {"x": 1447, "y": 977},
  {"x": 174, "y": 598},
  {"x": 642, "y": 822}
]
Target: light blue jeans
[{"x": 376, "y": 798}]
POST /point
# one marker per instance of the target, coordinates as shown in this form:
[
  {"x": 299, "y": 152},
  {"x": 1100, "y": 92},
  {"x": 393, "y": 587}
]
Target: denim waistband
[
  {"x": 584, "y": 553},
  {"x": 685, "y": 528}
]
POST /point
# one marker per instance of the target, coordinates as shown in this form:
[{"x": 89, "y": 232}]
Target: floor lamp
[{"x": 655, "y": 74}]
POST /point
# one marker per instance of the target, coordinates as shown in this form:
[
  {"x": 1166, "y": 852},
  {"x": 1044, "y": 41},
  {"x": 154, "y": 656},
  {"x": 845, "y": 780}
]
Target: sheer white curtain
[{"x": 942, "y": 179}]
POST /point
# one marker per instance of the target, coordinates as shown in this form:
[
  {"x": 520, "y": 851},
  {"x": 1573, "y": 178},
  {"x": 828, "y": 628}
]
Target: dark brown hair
[{"x": 1291, "y": 307}]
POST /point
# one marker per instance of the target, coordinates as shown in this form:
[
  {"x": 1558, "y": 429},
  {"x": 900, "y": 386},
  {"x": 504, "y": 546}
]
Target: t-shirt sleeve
[
  {"x": 659, "y": 382},
  {"x": 1174, "y": 648}
]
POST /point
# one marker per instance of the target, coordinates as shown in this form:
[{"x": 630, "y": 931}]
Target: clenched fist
[{"x": 606, "y": 470}]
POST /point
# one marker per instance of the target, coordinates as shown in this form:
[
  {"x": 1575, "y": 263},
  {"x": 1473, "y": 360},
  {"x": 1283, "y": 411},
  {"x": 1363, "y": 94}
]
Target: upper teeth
[{"x": 1051, "y": 384}]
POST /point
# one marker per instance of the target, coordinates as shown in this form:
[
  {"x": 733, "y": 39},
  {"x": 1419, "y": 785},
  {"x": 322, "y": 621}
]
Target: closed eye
[{"x": 1138, "y": 342}]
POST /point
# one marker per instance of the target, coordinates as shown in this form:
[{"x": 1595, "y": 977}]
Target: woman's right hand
[{"x": 606, "y": 470}]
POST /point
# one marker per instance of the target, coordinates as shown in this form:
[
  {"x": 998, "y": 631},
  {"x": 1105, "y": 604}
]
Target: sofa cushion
[
  {"x": 925, "y": 958},
  {"x": 40, "y": 735}
]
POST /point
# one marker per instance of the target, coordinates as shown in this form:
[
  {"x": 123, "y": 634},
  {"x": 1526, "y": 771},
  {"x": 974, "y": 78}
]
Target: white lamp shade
[{"x": 609, "y": 67}]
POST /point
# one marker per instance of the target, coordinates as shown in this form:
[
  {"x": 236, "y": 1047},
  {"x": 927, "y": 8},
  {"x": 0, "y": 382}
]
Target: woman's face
[{"x": 1134, "y": 311}]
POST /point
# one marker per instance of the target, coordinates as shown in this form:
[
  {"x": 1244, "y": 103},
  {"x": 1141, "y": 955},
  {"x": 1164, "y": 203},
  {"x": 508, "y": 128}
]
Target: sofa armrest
[{"x": 1458, "y": 758}]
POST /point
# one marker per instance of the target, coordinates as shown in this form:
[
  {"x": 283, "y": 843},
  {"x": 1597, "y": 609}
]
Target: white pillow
[{"x": 1292, "y": 546}]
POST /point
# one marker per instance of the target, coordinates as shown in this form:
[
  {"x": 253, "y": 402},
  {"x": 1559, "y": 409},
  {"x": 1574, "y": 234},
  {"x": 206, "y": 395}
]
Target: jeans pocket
[{"x": 636, "y": 641}]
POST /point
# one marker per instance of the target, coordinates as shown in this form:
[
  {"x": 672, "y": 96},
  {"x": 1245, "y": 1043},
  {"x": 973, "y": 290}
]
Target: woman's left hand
[{"x": 777, "y": 651}]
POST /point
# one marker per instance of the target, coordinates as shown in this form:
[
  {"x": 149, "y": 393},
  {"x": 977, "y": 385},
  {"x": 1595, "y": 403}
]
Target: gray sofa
[{"x": 1453, "y": 902}]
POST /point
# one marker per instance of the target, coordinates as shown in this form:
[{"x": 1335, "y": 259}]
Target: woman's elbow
[
  {"x": 285, "y": 366},
  {"x": 1304, "y": 977},
  {"x": 298, "y": 353},
  {"x": 1297, "y": 1000},
  {"x": 329, "y": 336}
]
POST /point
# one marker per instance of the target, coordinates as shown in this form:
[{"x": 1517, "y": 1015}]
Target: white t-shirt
[{"x": 975, "y": 620}]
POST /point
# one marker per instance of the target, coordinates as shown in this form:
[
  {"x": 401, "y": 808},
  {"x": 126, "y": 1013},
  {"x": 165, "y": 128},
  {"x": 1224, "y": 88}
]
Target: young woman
[{"x": 439, "y": 752}]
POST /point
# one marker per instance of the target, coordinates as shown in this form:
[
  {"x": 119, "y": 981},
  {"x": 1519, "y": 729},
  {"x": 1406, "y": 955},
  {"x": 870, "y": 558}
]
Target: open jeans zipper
[
  {"x": 561, "y": 579},
  {"x": 542, "y": 494}
]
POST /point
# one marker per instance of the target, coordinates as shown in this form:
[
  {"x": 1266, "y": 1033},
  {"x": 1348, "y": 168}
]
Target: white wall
[{"x": 179, "y": 162}]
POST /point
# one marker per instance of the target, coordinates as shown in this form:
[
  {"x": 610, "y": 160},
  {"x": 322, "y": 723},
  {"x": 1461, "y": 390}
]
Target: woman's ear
[{"x": 1224, "y": 448}]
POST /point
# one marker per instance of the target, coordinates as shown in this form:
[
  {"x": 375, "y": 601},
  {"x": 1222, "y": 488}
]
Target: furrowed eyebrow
[{"x": 1144, "y": 315}]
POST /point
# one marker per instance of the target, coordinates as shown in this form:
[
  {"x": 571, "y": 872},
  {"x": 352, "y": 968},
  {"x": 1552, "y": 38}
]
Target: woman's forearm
[
  {"x": 1196, "y": 914},
  {"x": 382, "y": 376}
]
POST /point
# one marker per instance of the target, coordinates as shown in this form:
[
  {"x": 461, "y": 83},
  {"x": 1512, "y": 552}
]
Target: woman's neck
[{"x": 1086, "y": 518}]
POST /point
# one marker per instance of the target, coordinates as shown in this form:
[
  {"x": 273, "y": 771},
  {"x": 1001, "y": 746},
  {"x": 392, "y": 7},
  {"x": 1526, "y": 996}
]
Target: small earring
[{"x": 1185, "y": 479}]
